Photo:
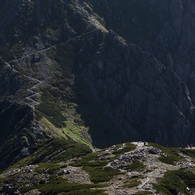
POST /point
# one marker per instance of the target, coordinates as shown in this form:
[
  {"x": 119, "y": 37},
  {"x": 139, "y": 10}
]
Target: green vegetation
[
  {"x": 50, "y": 108},
  {"x": 59, "y": 99},
  {"x": 135, "y": 166},
  {"x": 49, "y": 168},
  {"x": 90, "y": 160},
  {"x": 143, "y": 193},
  {"x": 51, "y": 130},
  {"x": 175, "y": 181},
  {"x": 55, "y": 151},
  {"x": 27, "y": 189},
  {"x": 60, "y": 150},
  {"x": 167, "y": 160},
  {"x": 172, "y": 154},
  {"x": 75, "y": 130},
  {"x": 189, "y": 152},
  {"x": 15, "y": 176},
  {"x": 101, "y": 174},
  {"x": 68, "y": 106},
  {"x": 132, "y": 183},
  {"x": 96, "y": 168},
  {"x": 21, "y": 184},
  {"x": 15, "y": 132},
  {"x": 58, "y": 185},
  {"x": 128, "y": 147},
  {"x": 2, "y": 180}
]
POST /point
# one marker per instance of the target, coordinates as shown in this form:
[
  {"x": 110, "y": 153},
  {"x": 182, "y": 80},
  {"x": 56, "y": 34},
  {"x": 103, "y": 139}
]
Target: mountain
[
  {"x": 77, "y": 75},
  {"x": 70, "y": 63},
  {"x": 128, "y": 168}
]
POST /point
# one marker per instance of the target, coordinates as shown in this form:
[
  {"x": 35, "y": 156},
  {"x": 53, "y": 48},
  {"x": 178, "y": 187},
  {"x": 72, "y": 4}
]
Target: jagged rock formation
[
  {"x": 87, "y": 82},
  {"x": 138, "y": 90},
  {"x": 18, "y": 132},
  {"x": 80, "y": 74},
  {"x": 163, "y": 29}
]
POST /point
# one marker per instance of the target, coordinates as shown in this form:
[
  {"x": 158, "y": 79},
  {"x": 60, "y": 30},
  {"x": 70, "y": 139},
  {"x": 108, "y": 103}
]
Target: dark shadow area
[
  {"x": 15, "y": 120},
  {"x": 104, "y": 129}
]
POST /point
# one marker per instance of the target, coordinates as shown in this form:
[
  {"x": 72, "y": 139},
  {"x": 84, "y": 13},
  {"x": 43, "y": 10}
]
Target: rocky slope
[
  {"x": 60, "y": 59},
  {"x": 164, "y": 30},
  {"x": 129, "y": 168},
  {"x": 76, "y": 75}
]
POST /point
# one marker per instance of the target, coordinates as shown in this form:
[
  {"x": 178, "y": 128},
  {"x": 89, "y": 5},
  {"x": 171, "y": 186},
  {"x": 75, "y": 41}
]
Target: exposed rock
[
  {"x": 76, "y": 175},
  {"x": 138, "y": 90},
  {"x": 153, "y": 150},
  {"x": 140, "y": 154},
  {"x": 165, "y": 30},
  {"x": 59, "y": 56},
  {"x": 15, "y": 121}
]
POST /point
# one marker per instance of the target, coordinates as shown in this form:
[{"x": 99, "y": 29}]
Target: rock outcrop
[
  {"x": 60, "y": 58},
  {"x": 138, "y": 90}
]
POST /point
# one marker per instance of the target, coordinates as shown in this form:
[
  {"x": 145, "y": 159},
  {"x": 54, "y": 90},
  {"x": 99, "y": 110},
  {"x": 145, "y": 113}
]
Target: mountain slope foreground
[{"x": 77, "y": 75}]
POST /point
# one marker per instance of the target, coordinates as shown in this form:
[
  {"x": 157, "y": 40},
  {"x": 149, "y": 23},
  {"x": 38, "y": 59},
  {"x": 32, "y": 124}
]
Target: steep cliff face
[
  {"x": 17, "y": 134},
  {"x": 164, "y": 28},
  {"x": 87, "y": 82},
  {"x": 138, "y": 90},
  {"x": 81, "y": 74}
]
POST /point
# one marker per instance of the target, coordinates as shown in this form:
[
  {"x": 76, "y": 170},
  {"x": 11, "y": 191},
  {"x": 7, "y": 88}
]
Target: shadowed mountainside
[
  {"x": 78, "y": 75},
  {"x": 86, "y": 82}
]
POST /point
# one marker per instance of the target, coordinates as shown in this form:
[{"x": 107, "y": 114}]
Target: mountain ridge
[
  {"x": 60, "y": 51},
  {"x": 84, "y": 75}
]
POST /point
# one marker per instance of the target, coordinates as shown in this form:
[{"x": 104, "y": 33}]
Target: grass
[
  {"x": 128, "y": 147},
  {"x": 96, "y": 168},
  {"x": 143, "y": 193},
  {"x": 90, "y": 160},
  {"x": 27, "y": 189},
  {"x": 167, "y": 160},
  {"x": 56, "y": 97},
  {"x": 15, "y": 132},
  {"x": 50, "y": 108},
  {"x": 2, "y": 180},
  {"x": 135, "y": 166},
  {"x": 59, "y": 150},
  {"x": 132, "y": 183},
  {"x": 51, "y": 129},
  {"x": 100, "y": 174},
  {"x": 75, "y": 130},
  {"x": 175, "y": 181},
  {"x": 172, "y": 154},
  {"x": 189, "y": 152},
  {"x": 53, "y": 151},
  {"x": 58, "y": 185},
  {"x": 16, "y": 187},
  {"x": 47, "y": 167}
]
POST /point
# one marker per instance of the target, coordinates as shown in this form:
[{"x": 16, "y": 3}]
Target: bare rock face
[
  {"x": 17, "y": 134},
  {"x": 136, "y": 86},
  {"x": 165, "y": 29},
  {"x": 138, "y": 90},
  {"x": 148, "y": 90}
]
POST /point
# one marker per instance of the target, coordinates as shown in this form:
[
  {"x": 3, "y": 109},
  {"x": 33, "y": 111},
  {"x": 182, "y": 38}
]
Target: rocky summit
[
  {"x": 129, "y": 168},
  {"x": 81, "y": 75}
]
